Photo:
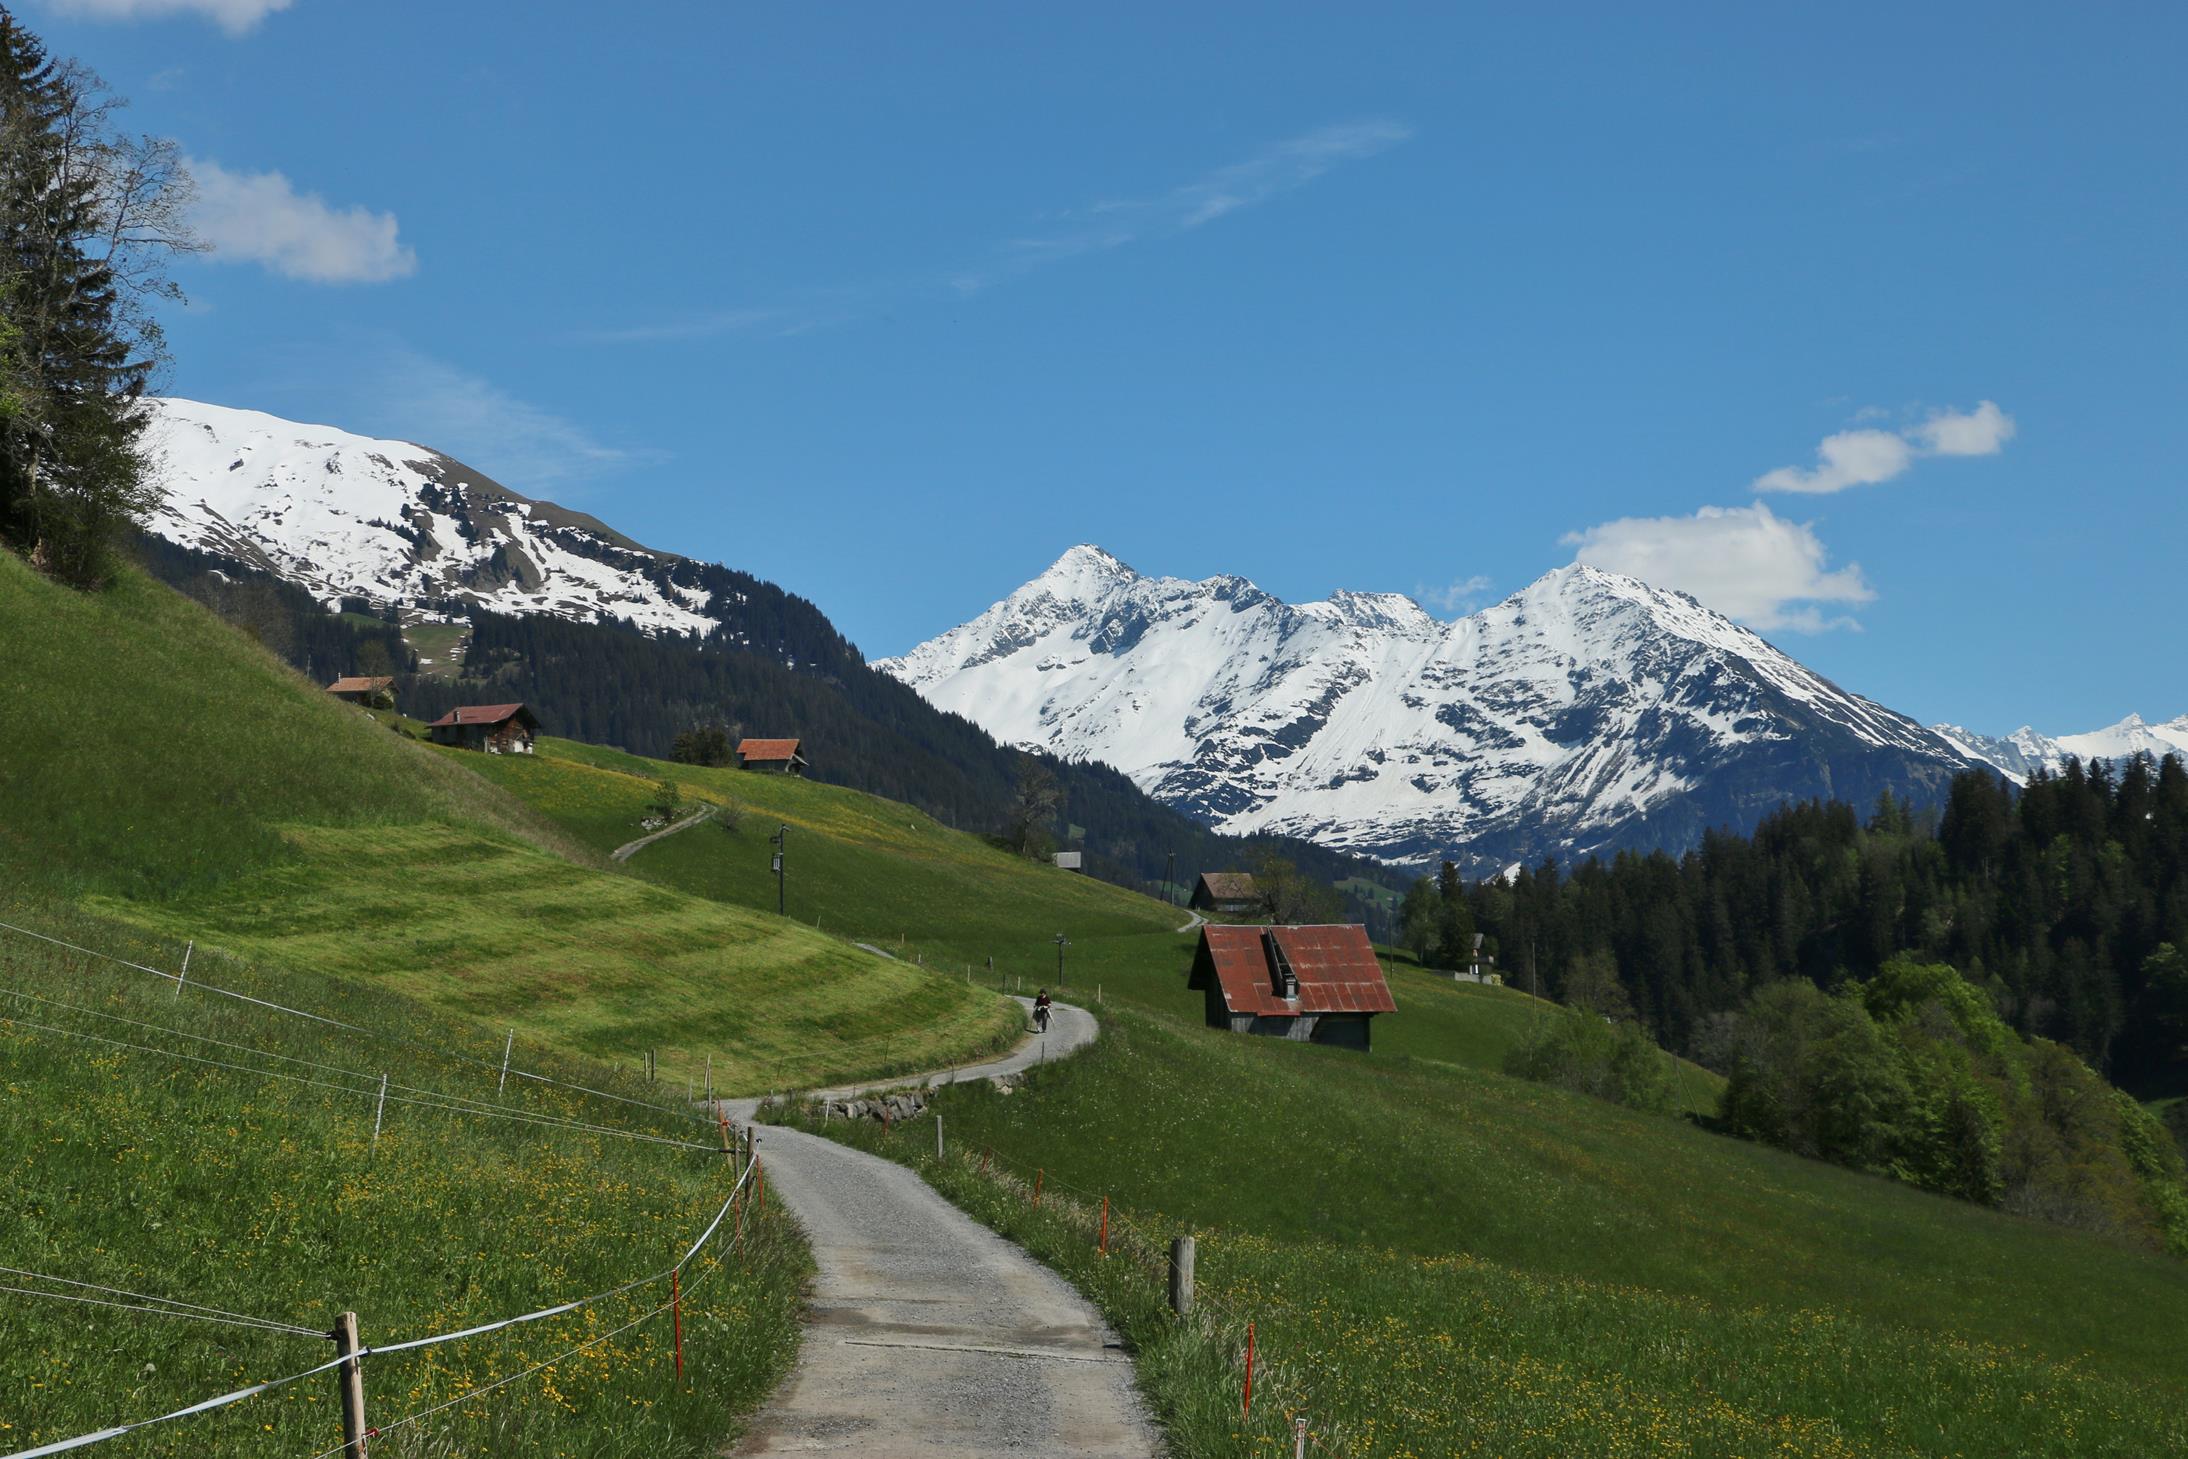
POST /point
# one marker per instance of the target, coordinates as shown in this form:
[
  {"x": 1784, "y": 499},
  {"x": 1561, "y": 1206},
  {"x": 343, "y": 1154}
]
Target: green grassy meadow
[
  {"x": 135, "y": 1165},
  {"x": 158, "y": 768},
  {"x": 1440, "y": 1259}
]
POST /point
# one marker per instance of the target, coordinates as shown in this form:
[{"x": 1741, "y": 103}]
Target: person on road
[{"x": 1040, "y": 1010}]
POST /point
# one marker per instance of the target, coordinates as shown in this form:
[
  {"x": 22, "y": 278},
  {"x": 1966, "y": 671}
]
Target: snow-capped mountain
[
  {"x": 1586, "y": 712},
  {"x": 350, "y": 516},
  {"x": 2024, "y": 752}
]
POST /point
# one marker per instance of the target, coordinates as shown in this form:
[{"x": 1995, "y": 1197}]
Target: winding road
[{"x": 927, "y": 1334}]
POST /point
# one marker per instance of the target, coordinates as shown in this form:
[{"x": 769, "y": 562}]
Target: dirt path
[
  {"x": 929, "y": 1335},
  {"x": 626, "y": 851},
  {"x": 1194, "y": 920}
]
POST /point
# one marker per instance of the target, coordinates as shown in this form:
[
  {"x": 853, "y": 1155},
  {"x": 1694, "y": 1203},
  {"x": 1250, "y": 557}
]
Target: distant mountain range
[
  {"x": 1588, "y": 712},
  {"x": 2024, "y": 752}
]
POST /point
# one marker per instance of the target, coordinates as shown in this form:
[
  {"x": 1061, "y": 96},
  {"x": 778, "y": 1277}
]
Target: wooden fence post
[
  {"x": 350, "y": 1379},
  {"x": 1037, "y": 1178},
  {"x": 938, "y": 1137},
  {"x": 379, "y": 1109},
  {"x": 508, "y": 1045},
  {"x": 179, "y": 977},
  {"x": 1181, "y": 1276}
]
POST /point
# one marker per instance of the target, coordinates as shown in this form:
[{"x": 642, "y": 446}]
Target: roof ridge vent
[{"x": 1284, "y": 979}]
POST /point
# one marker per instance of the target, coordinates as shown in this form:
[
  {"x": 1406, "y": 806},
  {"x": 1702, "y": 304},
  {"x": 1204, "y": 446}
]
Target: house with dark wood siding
[
  {"x": 497, "y": 729},
  {"x": 1227, "y": 893},
  {"x": 1318, "y": 985},
  {"x": 777, "y": 757}
]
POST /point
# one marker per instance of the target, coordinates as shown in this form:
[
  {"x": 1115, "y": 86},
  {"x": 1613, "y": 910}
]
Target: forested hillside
[{"x": 2066, "y": 901}]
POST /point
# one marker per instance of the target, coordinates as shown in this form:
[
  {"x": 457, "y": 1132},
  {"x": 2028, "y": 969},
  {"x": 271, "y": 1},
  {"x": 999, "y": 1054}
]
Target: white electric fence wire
[
  {"x": 397, "y": 1039},
  {"x": 184, "y": 1309},
  {"x": 115, "y": 1432},
  {"x": 439, "y": 1102},
  {"x": 202, "y": 987},
  {"x": 283, "y": 1328}
]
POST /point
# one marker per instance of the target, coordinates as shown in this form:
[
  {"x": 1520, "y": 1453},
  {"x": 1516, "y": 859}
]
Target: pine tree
[{"x": 88, "y": 218}]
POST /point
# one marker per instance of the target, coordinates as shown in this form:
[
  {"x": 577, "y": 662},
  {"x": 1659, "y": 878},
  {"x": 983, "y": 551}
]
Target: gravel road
[{"x": 927, "y": 1334}]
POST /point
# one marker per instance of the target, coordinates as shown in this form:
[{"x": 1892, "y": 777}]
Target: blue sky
[{"x": 1866, "y": 326}]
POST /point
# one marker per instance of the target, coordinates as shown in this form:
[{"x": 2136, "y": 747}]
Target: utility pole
[
  {"x": 779, "y": 840},
  {"x": 1170, "y": 881},
  {"x": 1062, "y": 942}
]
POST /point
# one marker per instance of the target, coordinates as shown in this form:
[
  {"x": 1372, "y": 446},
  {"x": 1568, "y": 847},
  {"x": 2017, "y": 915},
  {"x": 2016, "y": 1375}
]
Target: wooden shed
[
  {"x": 778, "y": 757},
  {"x": 498, "y": 729},
  {"x": 374, "y": 691},
  {"x": 1319, "y": 985},
  {"x": 1228, "y": 893}
]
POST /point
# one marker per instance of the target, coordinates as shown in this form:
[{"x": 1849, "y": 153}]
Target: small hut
[
  {"x": 497, "y": 729},
  {"x": 1227, "y": 893},
  {"x": 1318, "y": 985},
  {"x": 774, "y": 757},
  {"x": 372, "y": 691}
]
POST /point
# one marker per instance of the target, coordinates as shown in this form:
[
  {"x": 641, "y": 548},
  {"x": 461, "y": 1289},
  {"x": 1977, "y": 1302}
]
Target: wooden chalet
[
  {"x": 1319, "y": 985},
  {"x": 776, "y": 757},
  {"x": 497, "y": 729},
  {"x": 1227, "y": 893},
  {"x": 373, "y": 691}
]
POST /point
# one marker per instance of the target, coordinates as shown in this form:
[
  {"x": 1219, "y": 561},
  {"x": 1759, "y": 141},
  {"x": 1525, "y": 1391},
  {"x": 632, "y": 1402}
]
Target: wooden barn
[
  {"x": 374, "y": 691},
  {"x": 498, "y": 729},
  {"x": 777, "y": 757},
  {"x": 1227, "y": 893},
  {"x": 1319, "y": 985}
]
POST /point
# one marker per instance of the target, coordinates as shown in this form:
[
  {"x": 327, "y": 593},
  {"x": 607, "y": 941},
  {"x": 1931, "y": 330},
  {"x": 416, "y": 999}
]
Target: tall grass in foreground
[
  {"x": 1440, "y": 1261},
  {"x": 144, "y": 1171}
]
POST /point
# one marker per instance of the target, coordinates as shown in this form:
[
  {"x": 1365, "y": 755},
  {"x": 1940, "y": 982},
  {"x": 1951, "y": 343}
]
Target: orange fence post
[
  {"x": 1249, "y": 1408},
  {"x": 1105, "y": 1225}
]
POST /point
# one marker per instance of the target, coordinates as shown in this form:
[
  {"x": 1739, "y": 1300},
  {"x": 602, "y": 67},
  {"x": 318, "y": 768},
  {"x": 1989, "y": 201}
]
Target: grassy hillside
[
  {"x": 1445, "y": 1260},
  {"x": 883, "y": 873},
  {"x": 159, "y": 768},
  {"x": 197, "y": 1148}
]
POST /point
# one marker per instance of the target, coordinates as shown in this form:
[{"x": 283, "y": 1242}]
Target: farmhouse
[
  {"x": 375, "y": 691},
  {"x": 1231, "y": 893},
  {"x": 779, "y": 757},
  {"x": 498, "y": 729},
  {"x": 1319, "y": 985}
]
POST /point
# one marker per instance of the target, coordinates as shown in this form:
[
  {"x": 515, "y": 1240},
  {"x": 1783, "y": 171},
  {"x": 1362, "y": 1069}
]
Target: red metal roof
[
  {"x": 767, "y": 749},
  {"x": 486, "y": 714},
  {"x": 1336, "y": 966},
  {"x": 360, "y": 684}
]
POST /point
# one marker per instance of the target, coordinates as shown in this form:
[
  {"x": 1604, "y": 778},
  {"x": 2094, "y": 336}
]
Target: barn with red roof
[
  {"x": 779, "y": 757},
  {"x": 1318, "y": 985}
]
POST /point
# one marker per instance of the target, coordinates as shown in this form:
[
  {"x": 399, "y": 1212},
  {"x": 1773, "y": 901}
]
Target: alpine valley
[{"x": 1587, "y": 713}]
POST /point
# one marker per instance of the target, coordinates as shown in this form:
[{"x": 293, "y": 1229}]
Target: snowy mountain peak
[
  {"x": 2025, "y": 751},
  {"x": 1585, "y": 710},
  {"x": 348, "y": 515}
]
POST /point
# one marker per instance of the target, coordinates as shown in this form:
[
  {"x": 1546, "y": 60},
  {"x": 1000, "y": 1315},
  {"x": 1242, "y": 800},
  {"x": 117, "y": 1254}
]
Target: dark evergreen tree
[{"x": 88, "y": 216}]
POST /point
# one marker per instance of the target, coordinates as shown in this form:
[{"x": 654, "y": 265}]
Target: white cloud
[
  {"x": 415, "y": 397},
  {"x": 1456, "y": 597},
  {"x": 1097, "y": 228},
  {"x": 1745, "y": 562},
  {"x": 260, "y": 217},
  {"x": 1270, "y": 173},
  {"x": 1865, "y": 457},
  {"x": 1983, "y": 431},
  {"x": 233, "y": 16}
]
